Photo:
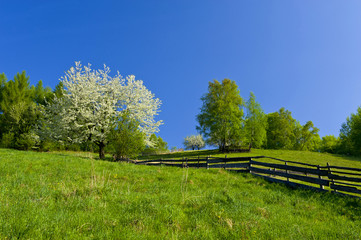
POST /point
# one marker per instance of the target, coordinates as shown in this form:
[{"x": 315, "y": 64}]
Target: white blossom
[
  {"x": 194, "y": 142},
  {"x": 93, "y": 101}
]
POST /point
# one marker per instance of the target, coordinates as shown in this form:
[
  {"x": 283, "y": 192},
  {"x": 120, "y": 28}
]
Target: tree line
[
  {"x": 227, "y": 121},
  {"x": 87, "y": 110},
  {"x": 90, "y": 110}
]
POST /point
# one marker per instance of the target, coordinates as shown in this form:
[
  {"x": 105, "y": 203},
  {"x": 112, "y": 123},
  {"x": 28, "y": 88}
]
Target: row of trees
[
  {"x": 88, "y": 109},
  {"x": 227, "y": 121}
]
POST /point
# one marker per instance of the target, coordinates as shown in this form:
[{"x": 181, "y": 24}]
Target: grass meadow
[{"x": 74, "y": 196}]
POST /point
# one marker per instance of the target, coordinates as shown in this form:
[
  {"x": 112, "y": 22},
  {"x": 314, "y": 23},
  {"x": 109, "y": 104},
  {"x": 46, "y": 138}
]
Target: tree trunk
[
  {"x": 222, "y": 147},
  {"x": 101, "y": 146}
]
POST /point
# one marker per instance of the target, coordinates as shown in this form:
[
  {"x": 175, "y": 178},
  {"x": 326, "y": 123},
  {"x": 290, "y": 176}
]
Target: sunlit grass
[{"x": 60, "y": 195}]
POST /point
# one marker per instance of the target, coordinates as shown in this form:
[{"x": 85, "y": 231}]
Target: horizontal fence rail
[{"x": 338, "y": 179}]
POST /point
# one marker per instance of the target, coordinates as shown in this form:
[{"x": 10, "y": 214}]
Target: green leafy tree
[
  {"x": 194, "y": 142},
  {"x": 345, "y": 146},
  {"x": 255, "y": 124},
  {"x": 220, "y": 120},
  {"x": 350, "y": 134},
  {"x": 161, "y": 145},
  {"x": 307, "y": 137},
  {"x": 280, "y": 130},
  {"x": 329, "y": 144},
  {"x": 19, "y": 113},
  {"x": 158, "y": 145},
  {"x": 126, "y": 140}
]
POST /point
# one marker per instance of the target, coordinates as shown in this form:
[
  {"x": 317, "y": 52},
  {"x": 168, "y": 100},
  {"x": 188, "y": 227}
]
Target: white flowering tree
[
  {"x": 92, "y": 103},
  {"x": 194, "y": 141}
]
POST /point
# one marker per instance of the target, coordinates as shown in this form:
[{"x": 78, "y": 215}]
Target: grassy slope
[{"x": 44, "y": 195}]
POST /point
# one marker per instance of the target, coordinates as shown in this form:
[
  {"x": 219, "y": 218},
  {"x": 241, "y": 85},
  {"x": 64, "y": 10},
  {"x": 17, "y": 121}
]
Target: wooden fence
[{"x": 343, "y": 180}]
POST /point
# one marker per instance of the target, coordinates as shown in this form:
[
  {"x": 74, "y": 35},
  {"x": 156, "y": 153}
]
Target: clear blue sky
[{"x": 301, "y": 55}]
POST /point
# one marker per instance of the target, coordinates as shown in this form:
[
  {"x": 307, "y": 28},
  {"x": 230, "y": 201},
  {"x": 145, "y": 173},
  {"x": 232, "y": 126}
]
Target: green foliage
[
  {"x": 350, "y": 134},
  {"x": 7, "y": 140},
  {"x": 280, "y": 131},
  {"x": 20, "y": 119},
  {"x": 158, "y": 145},
  {"x": 255, "y": 124},
  {"x": 59, "y": 90},
  {"x": 46, "y": 145},
  {"x": 307, "y": 137},
  {"x": 42, "y": 95},
  {"x": 15, "y": 91},
  {"x": 284, "y": 132},
  {"x": 61, "y": 196},
  {"x": 125, "y": 139},
  {"x": 19, "y": 113},
  {"x": 221, "y": 115},
  {"x": 19, "y": 106},
  {"x": 329, "y": 144},
  {"x": 26, "y": 141},
  {"x": 3, "y": 80}
]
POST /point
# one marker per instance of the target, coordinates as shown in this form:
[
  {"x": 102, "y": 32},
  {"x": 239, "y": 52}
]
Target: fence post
[
  {"x": 319, "y": 176},
  {"x": 288, "y": 179},
  {"x": 161, "y": 161},
  {"x": 250, "y": 165},
  {"x": 183, "y": 162},
  {"x": 329, "y": 173},
  {"x": 207, "y": 162},
  {"x": 186, "y": 162},
  {"x": 224, "y": 163},
  {"x": 198, "y": 162}
]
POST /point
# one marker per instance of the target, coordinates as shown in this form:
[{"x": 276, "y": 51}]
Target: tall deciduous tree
[
  {"x": 221, "y": 114},
  {"x": 92, "y": 101},
  {"x": 329, "y": 144},
  {"x": 158, "y": 145},
  {"x": 307, "y": 137},
  {"x": 255, "y": 124},
  {"x": 280, "y": 130}
]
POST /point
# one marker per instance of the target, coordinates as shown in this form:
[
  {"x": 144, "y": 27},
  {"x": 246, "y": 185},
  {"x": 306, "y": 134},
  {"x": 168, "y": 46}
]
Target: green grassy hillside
[{"x": 61, "y": 195}]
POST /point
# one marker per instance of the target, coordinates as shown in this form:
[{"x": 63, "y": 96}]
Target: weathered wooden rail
[{"x": 338, "y": 179}]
